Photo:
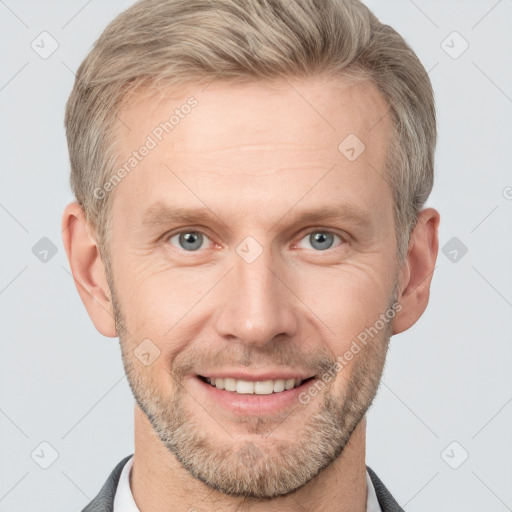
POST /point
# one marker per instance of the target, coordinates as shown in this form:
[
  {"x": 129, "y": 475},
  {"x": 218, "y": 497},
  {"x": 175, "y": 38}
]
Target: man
[{"x": 250, "y": 177}]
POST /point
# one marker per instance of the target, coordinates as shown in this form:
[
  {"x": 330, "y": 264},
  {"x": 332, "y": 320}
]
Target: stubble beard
[{"x": 271, "y": 462}]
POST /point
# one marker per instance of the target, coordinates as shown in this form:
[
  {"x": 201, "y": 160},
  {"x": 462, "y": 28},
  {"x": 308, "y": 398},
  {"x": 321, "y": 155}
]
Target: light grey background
[{"x": 446, "y": 379}]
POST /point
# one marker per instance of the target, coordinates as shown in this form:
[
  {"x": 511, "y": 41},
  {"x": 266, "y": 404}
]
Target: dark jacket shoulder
[
  {"x": 104, "y": 501},
  {"x": 386, "y": 501}
]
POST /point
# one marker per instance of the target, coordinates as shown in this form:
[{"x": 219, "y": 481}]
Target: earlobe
[
  {"x": 88, "y": 269},
  {"x": 416, "y": 278}
]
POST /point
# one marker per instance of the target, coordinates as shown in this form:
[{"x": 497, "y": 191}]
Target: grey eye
[
  {"x": 188, "y": 240},
  {"x": 320, "y": 240}
]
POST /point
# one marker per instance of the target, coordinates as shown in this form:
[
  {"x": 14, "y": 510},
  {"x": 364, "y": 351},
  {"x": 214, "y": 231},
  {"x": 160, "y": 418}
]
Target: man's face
[{"x": 256, "y": 288}]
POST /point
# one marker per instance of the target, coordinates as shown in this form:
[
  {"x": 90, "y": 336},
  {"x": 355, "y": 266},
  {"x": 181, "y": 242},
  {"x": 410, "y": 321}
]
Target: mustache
[{"x": 237, "y": 355}]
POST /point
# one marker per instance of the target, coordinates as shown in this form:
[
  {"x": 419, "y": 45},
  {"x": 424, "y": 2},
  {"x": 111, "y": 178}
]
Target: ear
[
  {"x": 416, "y": 278},
  {"x": 88, "y": 269}
]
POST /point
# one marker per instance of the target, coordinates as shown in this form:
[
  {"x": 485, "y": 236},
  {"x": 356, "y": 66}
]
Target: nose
[{"x": 258, "y": 303}]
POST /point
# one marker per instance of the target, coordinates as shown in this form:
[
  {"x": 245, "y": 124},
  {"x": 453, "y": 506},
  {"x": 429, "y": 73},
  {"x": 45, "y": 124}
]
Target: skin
[{"x": 257, "y": 155}]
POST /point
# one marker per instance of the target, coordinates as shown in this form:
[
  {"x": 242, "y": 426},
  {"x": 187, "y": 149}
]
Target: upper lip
[{"x": 268, "y": 375}]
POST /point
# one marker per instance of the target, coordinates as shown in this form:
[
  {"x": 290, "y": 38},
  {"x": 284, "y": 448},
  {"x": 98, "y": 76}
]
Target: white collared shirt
[{"x": 124, "y": 502}]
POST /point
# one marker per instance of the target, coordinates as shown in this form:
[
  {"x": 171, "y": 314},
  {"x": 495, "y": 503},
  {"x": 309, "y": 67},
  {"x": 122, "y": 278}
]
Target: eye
[
  {"x": 188, "y": 240},
  {"x": 320, "y": 240}
]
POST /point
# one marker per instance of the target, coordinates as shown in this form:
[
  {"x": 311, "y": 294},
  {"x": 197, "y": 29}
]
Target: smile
[{"x": 248, "y": 387}]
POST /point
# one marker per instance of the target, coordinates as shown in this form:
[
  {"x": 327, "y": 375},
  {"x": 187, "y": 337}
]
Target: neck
[{"x": 159, "y": 482}]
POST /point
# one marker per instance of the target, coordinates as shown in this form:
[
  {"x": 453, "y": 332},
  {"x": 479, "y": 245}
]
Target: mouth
[
  {"x": 244, "y": 394},
  {"x": 254, "y": 387}
]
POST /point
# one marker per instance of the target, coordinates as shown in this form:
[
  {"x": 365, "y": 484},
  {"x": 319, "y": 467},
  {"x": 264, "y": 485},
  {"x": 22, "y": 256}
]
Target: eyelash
[{"x": 343, "y": 240}]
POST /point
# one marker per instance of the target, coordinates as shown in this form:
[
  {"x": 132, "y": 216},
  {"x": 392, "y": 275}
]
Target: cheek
[
  {"x": 346, "y": 299},
  {"x": 159, "y": 304},
  {"x": 148, "y": 289}
]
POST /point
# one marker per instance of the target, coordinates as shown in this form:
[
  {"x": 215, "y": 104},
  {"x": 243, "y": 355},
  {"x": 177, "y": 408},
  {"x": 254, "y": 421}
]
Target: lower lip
[{"x": 252, "y": 404}]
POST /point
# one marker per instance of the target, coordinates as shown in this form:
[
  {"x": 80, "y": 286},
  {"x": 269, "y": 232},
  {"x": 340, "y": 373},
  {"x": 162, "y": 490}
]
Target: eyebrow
[
  {"x": 160, "y": 214},
  {"x": 348, "y": 212}
]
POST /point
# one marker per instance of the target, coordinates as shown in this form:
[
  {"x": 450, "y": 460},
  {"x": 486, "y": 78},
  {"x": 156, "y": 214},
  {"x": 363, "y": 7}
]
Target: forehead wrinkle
[
  {"x": 275, "y": 146},
  {"x": 259, "y": 173}
]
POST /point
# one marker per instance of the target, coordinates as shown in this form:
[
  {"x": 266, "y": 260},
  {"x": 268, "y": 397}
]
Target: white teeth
[
  {"x": 247, "y": 387},
  {"x": 278, "y": 385},
  {"x": 229, "y": 384},
  {"x": 264, "y": 387}
]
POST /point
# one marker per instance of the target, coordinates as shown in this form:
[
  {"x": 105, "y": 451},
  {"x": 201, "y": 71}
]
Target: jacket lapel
[
  {"x": 386, "y": 501},
  {"x": 104, "y": 501}
]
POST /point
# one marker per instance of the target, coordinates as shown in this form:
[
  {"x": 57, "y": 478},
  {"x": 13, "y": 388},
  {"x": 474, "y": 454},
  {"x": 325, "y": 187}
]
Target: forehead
[
  {"x": 255, "y": 136},
  {"x": 310, "y": 113}
]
